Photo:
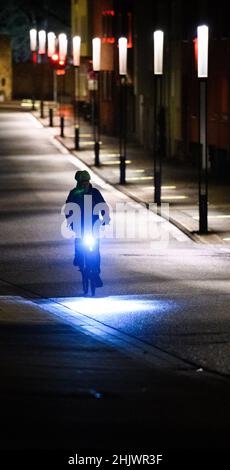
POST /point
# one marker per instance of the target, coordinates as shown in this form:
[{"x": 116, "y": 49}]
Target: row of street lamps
[
  {"x": 202, "y": 73},
  {"x": 57, "y": 48},
  {"x": 60, "y": 44}
]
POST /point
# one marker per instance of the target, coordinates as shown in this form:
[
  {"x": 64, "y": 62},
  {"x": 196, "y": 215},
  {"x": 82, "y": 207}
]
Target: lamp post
[
  {"x": 62, "y": 46},
  {"x": 41, "y": 52},
  {"x": 33, "y": 48},
  {"x": 158, "y": 39},
  {"x": 96, "y": 42},
  {"x": 122, "y": 44},
  {"x": 51, "y": 51},
  {"x": 54, "y": 61},
  {"x": 202, "y": 69},
  {"x": 76, "y": 64}
]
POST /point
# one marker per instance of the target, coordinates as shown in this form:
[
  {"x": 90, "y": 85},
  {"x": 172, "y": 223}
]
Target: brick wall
[{"x": 37, "y": 81}]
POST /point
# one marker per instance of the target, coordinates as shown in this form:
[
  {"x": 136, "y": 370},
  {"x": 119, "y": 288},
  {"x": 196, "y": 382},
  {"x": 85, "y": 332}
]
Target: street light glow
[
  {"x": 96, "y": 54},
  {"x": 62, "y": 41},
  {"x": 171, "y": 196},
  {"x": 158, "y": 39},
  {"x": 122, "y": 43},
  {"x": 51, "y": 44},
  {"x": 41, "y": 42},
  {"x": 33, "y": 40},
  {"x": 116, "y": 162},
  {"x": 76, "y": 50},
  {"x": 202, "y": 38}
]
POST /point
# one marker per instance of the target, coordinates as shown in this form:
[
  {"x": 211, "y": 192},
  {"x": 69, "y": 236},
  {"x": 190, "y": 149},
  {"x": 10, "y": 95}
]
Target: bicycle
[{"x": 88, "y": 268}]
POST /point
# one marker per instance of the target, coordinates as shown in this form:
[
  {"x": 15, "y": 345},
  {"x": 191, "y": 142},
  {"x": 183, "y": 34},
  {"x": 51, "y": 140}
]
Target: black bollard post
[
  {"x": 203, "y": 213},
  {"x": 77, "y": 138},
  {"x": 62, "y": 126},
  {"x": 97, "y": 152},
  {"x": 157, "y": 182},
  {"x": 122, "y": 169},
  {"x": 42, "y": 109},
  {"x": 51, "y": 117}
]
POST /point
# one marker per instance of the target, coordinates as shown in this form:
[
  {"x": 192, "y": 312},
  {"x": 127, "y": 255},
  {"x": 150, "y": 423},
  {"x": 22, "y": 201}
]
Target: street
[{"x": 148, "y": 356}]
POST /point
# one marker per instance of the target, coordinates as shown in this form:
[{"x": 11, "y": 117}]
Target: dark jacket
[{"x": 76, "y": 196}]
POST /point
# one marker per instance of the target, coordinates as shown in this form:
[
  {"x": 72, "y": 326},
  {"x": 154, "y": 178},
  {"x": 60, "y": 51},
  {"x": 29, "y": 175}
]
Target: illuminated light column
[
  {"x": 122, "y": 47},
  {"x": 96, "y": 54},
  {"x": 158, "y": 39},
  {"x": 96, "y": 43},
  {"x": 33, "y": 48},
  {"x": 51, "y": 44},
  {"x": 33, "y": 40},
  {"x": 76, "y": 64},
  {"x": 76, "y": 51},
  {"x": 63, "y": 44},
  {"x": 41, "y": 42},
  {"x": 202, "y": 71},
  {"x": 158, "y": 52}
]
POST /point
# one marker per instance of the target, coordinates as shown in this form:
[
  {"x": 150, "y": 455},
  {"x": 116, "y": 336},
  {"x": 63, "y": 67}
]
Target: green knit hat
[{"x": 82, "y": 176}]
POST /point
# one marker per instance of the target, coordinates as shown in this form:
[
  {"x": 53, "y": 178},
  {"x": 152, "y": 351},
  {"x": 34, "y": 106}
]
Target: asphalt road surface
[{"x": 159, "y": 328}]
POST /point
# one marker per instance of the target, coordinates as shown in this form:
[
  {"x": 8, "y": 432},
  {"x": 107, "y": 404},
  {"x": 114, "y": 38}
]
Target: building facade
[
  {"x": 137, "y": 20},
  {"x": 5, "y": 68}
]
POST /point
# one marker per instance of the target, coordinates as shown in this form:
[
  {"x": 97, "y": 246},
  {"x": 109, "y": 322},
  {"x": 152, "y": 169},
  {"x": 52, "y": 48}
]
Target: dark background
[{"x": 18, "y": 16}]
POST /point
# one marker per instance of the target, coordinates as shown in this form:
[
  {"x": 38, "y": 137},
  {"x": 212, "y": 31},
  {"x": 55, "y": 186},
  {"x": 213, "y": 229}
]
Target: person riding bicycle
[{"x": 86, "y": 197}]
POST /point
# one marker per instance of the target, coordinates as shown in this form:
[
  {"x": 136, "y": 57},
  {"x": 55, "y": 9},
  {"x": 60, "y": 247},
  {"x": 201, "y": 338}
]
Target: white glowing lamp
[
  {"x": 51, "y": 44},
  {"x": 62, "y": 40},
  {"x": 122, "y": 44},
  {"x": 96, "y": 54},
  {"x": 158, "y": 38},
  {"x": 76, "y": 50},
  {"x": 33, "y": 40},
  {"x": 41, "y": 42},
  {"x": 202, "y": 40}
]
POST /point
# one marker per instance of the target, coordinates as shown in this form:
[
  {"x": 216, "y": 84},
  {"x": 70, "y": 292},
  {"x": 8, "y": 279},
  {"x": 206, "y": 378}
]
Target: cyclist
[{"x": 77, "y": 196}]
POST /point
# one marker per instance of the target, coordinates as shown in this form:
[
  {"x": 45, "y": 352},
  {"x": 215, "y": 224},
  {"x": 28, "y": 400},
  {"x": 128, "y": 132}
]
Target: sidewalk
[
  {"x": 179, "y": 182},
  {"x": 63, "y": 387}
]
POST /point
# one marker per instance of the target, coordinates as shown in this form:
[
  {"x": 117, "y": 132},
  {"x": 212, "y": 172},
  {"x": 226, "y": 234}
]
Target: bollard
[
  {"x": 51, "y": 117},
  {"x": 42, "y": 109},
  {"x": 122, "y": 169},
  {"x": 77, "y": 138},
  {"x": 97, "y": 151},
  {"x": 62, "y": 126},
  {"x": 157, "y": 183},
  {"x": 203, "y": 213}
]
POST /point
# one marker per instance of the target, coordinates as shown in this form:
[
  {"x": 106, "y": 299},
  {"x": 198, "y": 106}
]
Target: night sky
[{"x": 18, "y": 16}]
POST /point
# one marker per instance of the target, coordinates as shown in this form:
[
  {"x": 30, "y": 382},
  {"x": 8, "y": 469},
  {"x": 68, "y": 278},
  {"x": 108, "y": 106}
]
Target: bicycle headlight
[{"x": 89, "y": 241}]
